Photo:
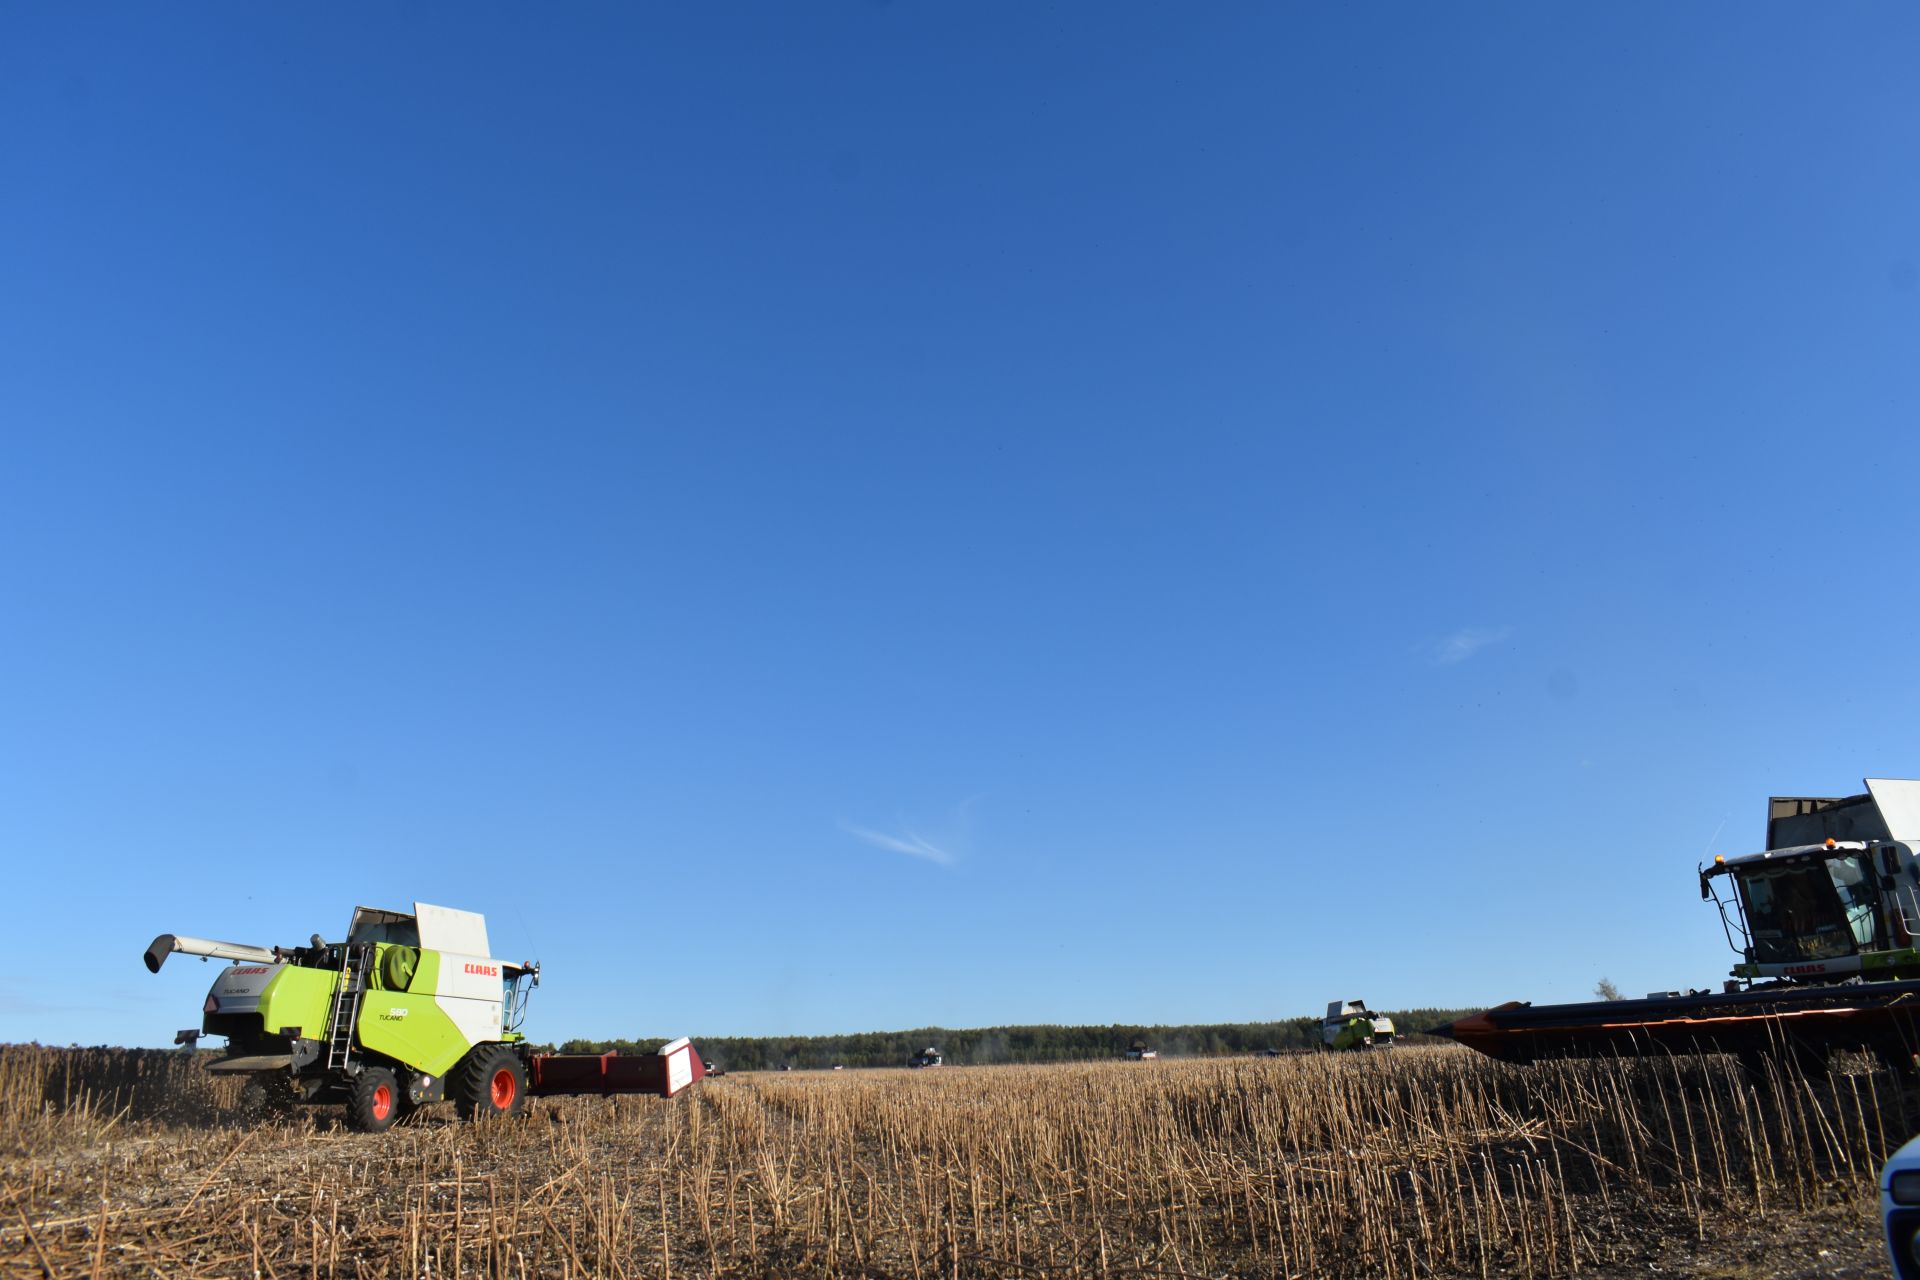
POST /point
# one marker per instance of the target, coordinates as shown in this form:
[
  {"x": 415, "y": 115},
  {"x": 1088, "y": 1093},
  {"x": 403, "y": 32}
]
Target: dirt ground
[
  {"x": 740, "y": 1178},
  {"x": 256, "y": 1182},
  {"x": 1827, "y": 1243}
]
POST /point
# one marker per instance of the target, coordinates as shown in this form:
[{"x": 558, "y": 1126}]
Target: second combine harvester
[
  {"x": 1825, "y": 921},
  {"x": 409, "y": 1009}
]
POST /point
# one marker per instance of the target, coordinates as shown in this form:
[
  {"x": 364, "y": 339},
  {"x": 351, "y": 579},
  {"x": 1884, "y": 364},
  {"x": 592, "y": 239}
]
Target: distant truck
[{"x": 1349, "y": 1024}]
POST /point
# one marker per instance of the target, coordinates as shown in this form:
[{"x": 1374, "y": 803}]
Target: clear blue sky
[{"x": 844, "y": 516}]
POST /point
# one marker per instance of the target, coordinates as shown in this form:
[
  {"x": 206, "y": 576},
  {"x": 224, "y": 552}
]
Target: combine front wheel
[
  {"x": 493, "y": 1082},
  {"x": 373, "y": 1101}
]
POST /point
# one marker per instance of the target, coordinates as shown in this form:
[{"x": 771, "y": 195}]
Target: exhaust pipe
[{"x": 168, "y": 943}]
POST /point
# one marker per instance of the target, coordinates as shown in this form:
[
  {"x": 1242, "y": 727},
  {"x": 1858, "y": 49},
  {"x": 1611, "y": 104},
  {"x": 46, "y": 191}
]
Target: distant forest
[{"x": 984, "y": 1045}]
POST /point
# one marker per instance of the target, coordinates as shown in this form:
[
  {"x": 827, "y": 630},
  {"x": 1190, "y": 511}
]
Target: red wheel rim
[
  {"x": 503, "y": 1088},
  {"x": 382, "y": 1101}
]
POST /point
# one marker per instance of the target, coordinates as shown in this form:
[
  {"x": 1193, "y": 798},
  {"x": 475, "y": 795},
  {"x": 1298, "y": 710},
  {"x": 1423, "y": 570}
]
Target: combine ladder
[{"x": 346, "y": 1003}]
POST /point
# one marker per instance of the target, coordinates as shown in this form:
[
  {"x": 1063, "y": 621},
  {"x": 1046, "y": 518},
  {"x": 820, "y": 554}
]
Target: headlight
[{"x": 1905, "y": 1187}]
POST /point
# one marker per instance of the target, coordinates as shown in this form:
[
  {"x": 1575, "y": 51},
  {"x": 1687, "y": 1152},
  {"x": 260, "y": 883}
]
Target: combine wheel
[
  {"x": 492, "y": 1082},
  {"x": 373, "y": 1100}
]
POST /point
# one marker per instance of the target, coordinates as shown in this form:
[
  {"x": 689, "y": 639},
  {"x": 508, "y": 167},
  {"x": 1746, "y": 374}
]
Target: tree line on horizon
[{"x": 983, "y": 1046}]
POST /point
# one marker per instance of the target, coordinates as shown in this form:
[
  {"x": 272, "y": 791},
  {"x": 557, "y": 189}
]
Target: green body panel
[
  {"x": 409, "y": 1026},
  {"x": 400, "y": 1016},
  {"x": 1897, "y": 963},
  {"x": 1353, "y": 1034},
  {"x": 300, "y": 998},
  {"x": 426, "y": 975},
  {"x": 1890, "y": 962}
]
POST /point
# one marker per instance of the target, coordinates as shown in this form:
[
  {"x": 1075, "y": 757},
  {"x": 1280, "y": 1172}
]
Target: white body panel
[
  {"x": 1898, "y": 800},
  {"x": 679, "y": 1056},
  {"x": 470, "y": 993},
  {"x": 447, "y": 929},
  {"x": 1797, "y": 851}
]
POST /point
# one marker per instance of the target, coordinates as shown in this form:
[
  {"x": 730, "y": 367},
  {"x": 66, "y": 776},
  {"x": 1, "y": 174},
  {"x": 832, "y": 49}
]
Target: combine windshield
[{"x": 1813, "y": 911}]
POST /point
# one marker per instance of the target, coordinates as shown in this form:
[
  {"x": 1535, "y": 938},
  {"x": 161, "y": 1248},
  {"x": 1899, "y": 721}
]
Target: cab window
[{"x": 1795, "y": 914}]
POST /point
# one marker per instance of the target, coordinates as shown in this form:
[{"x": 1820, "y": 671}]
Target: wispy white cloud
[
  {"x": 907, "y": 842},
  {"x": 1466, "y": 642}
]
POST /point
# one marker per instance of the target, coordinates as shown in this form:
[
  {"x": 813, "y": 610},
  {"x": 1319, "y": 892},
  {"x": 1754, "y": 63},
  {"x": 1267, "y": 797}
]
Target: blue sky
[{"x": 846, "y": 516}]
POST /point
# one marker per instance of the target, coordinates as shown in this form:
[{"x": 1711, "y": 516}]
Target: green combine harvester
[
  {"x": 410, "y": 1008},
  {"x": 1349, "y": 1024}
]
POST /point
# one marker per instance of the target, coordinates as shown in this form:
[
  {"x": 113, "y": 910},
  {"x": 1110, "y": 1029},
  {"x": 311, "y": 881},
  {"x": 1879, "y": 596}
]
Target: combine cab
[
  {"x": 410, "y": 1008},
  {"x": 1824, "y": 922},
  {"x": 1835, "y": 894}
]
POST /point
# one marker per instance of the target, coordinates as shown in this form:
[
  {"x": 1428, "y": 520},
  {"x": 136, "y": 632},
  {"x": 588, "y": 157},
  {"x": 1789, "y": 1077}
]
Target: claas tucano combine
[
  {"x": 1825, "y": 921},
  {"x": 410, "y": 1008}
]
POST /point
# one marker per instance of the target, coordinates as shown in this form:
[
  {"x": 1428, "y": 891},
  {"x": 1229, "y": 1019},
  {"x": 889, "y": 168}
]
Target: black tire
[
  {"x": 373, "y": 1100},
  {"x": 491, "y": 1081}
]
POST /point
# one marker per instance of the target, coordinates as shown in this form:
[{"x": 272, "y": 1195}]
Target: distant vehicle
[
  {"x": 927, "y": 1057},
  {"x": 1349, "y": 1024},
  {"x": 838, "y": 1067},
  {"x": 1140, "y": 1053}
]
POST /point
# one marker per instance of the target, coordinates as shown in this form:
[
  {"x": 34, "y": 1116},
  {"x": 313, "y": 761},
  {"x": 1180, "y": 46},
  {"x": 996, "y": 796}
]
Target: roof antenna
[
  {"x": 1715, "y": 838},
  {"x": 528, "y": 933}
]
